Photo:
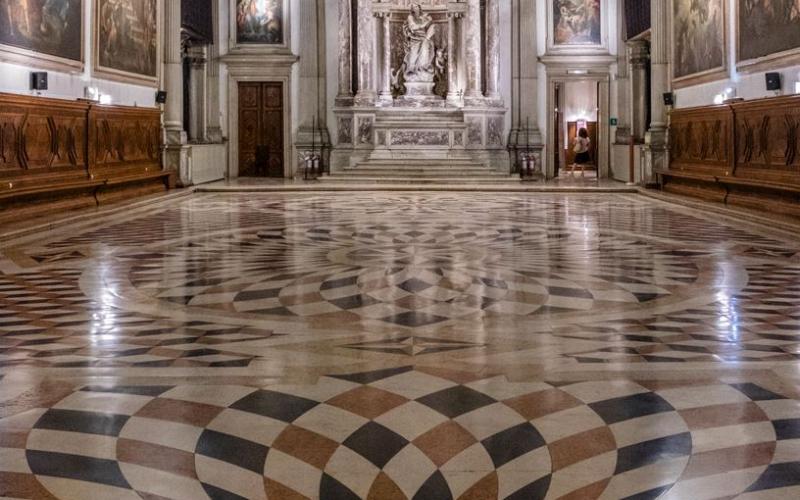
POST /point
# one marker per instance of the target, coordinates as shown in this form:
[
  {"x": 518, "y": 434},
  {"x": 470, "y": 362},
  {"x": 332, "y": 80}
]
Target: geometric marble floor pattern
[{"x": 401, "y": 346}]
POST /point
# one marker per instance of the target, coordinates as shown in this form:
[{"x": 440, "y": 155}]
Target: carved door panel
[{"x": 261, "y": 129}]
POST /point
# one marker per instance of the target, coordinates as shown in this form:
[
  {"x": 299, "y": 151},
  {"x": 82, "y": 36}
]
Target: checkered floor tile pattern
[
  {"x": 407, "y": 433},
  {"x": 401, "y": 346}
]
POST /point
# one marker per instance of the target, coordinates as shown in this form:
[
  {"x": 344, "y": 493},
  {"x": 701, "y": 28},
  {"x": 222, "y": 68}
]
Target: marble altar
[{"x": 424, "y": 87}]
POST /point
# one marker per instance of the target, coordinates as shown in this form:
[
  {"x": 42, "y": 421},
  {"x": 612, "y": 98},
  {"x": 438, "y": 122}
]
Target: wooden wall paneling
[
  {"x": 767, "y": 140},
  {"x": 43, "y": 163},
  {"x": 58, "y": 155},
  {"x": 125, "y": 151},
  {"x": 745, "y": 154},
  {"x": 701, "y": 140}
]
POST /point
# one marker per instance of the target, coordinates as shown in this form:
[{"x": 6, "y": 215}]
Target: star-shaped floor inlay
[{"x": 413, "y": 346}]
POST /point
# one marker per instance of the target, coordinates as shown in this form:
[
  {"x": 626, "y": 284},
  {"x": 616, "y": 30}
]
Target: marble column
[
  {"x": 175, "y": 157},
  {"x": 196, "y": 55},
  {"x": 385, "y": 94},
  {"x": 473, "y": 50},
  {"x": 366, "y": 54},
  {"x": 493, "y": 49},
  {"x": 638, "y": 58},
  {"x": 345, "y": 94},
  {"x": 525, "y": 133},
  {"x": 621, "y": 89},
  {"x": 453, "y": 19},
  {"x": 656, "y": 156},
  {"x": 213, "y": 119},
  {"x": 312, "y": 109},
  {"x": 659, "y": 63}
]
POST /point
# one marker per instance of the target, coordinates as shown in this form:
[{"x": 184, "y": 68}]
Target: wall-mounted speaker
[
  {"x": 161, "y": 97},
  {"x": 669, "y": 99},
  {"x": 773, "y": 81},
  {"x": 39, "y": 80}
]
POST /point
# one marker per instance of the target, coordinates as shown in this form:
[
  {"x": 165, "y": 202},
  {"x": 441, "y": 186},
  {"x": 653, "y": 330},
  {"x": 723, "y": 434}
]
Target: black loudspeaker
[
  {"x": 669, "y": 99},
  {"x": 161, "y": 97},
  {"x": 39, "y": 80},
  {"x": 773, "y": 81}
]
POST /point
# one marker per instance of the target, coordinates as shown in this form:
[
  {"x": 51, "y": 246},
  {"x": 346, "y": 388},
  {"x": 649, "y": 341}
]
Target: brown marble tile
[
  {"x": 723, "y": 415},
  {"x": 307, "y": 446},
  {"x": 12, "y": 439},
  {"x": 729, "y": 460},
  {"x": 184, "y": 412},
  {"x": 540, "y": 404},
  {"x": 574, "y": 449},
  {"x": 368, "y": 402},
  {"x": 383, "y": 488},
  {"x": 275, "y": 489},
  {"x": 594, "y": 490},
  {"x": 444, "y": 442},
  {"x": 485, "y": 489},
  {"x": 156, "y": 457},
  {"x": 14, "y": 485}
]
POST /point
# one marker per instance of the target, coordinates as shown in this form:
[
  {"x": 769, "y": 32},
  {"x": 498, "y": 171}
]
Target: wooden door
[{"x": 261, "y": 129}]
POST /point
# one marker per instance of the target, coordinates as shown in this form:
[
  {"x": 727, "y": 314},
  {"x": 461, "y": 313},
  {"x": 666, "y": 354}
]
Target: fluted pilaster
[
  {"x": 366, "y": 54},
  {"x": 173, "y": 73},
  {"x": 345, "y": 50},
  {"x": 493, "y": 49},
  {"x": 473, "y": 49}
]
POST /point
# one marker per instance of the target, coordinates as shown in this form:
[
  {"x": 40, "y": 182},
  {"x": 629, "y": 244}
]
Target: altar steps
[
  {"x": 419, "y": 171},
  {"x": 419, "y": 180}
]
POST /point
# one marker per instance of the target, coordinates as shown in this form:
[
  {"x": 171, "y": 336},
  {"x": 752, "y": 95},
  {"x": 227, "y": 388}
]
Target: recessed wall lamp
[
  {"x": 719, "y": 98},
  {"x": 577, "y": 72},
  {"x": 105, "y": 99}
]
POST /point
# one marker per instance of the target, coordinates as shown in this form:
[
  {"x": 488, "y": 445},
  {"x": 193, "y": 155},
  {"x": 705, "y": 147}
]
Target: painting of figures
[
  {"x": 49, "y": 27},
  {"x": 127, "y": 38},
  {"x": 699, "y": 37},
  {"x": 259, "y": 21},
  {"x": 768, "y": 27},
  {"x": 577, "y": 22}
]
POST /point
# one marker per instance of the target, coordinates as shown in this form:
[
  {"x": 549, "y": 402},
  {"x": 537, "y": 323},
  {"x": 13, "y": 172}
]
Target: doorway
[
  {"x": 577, "y": 101},
  {"x": 577, "y": 109},
  {"x": 261, "y": 119}
]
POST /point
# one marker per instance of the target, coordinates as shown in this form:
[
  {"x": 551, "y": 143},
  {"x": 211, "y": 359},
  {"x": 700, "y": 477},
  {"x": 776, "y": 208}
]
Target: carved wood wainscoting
[
  {"x": 58, "y": 155},
  {"x": 745, "y": 154},
  {"x": 125, "y": 151}
]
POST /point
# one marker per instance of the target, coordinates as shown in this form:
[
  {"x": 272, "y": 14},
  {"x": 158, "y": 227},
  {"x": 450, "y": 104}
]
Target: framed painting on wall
[
  {"x": 126, "y": 40},
  {"x": 42, "y": 32},
  {"x": 699, "y": 41},
  {"x": 257, "y": 23},
  {"x": 768, "y": 33},
  {"x": 576, "y": 26}
]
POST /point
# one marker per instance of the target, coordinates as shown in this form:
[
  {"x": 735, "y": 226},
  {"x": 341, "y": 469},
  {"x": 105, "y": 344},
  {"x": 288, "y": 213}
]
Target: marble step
[
  {"x": 490, "y": 179},
  {"x": 428, "y": 172},
  {"x": 421, "y": 164}
]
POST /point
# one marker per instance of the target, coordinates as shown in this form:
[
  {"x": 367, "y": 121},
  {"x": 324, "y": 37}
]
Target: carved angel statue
[{"x": 419, "y": 31}]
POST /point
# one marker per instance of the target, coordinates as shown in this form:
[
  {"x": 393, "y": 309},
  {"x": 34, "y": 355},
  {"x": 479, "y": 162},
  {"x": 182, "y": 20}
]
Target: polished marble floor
[{"x": 401, "y": 345}]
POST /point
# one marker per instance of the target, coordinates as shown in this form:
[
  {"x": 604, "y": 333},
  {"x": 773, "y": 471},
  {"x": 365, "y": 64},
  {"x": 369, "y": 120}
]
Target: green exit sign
[{"x": 612, "y": 122}]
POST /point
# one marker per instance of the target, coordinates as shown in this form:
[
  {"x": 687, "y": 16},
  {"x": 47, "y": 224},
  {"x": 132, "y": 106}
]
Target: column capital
[{"x": 638, "y": 53}]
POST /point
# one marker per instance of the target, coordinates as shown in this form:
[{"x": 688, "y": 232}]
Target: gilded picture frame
[
  {"x": 686, "y": 75},
  {"x": 777, "y": 58},
  {"x": 595, "y": 42},
  {"x": 254, "y": 31},
  {"x": 14, "y": 47},
  {"x": 117, "y": 55}
]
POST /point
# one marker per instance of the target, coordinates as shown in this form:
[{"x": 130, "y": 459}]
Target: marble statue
[{"x": 419, "y": 31}]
